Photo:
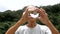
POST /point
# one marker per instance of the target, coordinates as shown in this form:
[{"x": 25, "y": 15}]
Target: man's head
[{"x": 32, "y": 13}]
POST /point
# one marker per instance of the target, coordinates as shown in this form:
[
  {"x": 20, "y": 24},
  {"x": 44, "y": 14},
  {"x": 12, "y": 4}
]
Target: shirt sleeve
[
  {"x": 48, "y": 31},
  {"x": 17, "y": 32}
]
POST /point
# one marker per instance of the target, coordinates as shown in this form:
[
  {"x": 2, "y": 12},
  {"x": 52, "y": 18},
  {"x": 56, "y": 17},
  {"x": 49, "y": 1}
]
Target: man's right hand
[
  {"x": 25, "y": 15},
  {"x": 19, "y": 23}
]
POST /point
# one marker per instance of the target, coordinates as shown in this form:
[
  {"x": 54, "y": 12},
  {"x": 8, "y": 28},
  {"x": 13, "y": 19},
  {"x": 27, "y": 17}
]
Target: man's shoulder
[
  {"x": 43, "y": 27},
  {"x": 22, "y": 27}
]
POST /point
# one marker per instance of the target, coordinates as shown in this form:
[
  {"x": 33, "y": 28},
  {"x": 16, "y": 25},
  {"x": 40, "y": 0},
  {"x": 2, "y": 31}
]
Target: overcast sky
[{"x": 19, "y": 4}]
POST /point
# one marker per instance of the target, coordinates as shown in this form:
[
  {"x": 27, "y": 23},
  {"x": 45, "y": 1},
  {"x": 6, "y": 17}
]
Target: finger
[
  {"x": 27, "y": 14},
  {"x": 40, "y": 12},
  {"x": 36, "y": 10},
  {"x": 43, "y": 11},
  {"x": 23, "y": 13}
]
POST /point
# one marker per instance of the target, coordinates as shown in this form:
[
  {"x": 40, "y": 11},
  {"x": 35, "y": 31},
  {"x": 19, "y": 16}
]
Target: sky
[{"x": 20, "y": 4}]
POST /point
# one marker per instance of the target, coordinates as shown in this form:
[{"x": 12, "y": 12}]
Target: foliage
[{"x": 9, "y": 18}]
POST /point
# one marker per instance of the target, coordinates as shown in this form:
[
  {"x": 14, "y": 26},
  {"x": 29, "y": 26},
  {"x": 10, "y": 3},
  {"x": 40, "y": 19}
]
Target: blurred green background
[{"x": 8, "y": 18}]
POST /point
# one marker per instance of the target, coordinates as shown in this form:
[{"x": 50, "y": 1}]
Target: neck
[{"x": 31, "y": 24}]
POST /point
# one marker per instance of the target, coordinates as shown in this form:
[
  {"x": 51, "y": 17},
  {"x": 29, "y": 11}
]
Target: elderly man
[
  {"x": 32, "y": 27},
  {"x": 30, "y": 16}
]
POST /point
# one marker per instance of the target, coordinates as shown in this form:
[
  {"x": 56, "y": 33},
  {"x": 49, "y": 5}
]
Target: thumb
[
  {"x": 40, "y": 19},
  {"x": 23, "y": 13}
]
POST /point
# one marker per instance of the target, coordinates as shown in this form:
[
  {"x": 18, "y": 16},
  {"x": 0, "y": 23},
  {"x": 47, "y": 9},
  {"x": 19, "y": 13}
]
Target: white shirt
[{"x": 38, "y": 29}]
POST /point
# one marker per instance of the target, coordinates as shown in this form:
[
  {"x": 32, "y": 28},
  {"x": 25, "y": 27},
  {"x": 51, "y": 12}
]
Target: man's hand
[
  {"x": 43, "y": 16},
  {"x": 45, "y": 20},
  {"x": 25, "y": 15},
  {"x": 12, "y": 29}
]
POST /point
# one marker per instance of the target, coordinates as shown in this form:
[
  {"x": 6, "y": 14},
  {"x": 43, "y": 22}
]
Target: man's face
[{"x": 33, "y": 13}]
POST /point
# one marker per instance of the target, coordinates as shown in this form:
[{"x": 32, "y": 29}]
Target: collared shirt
[{"x": 38, "y": 29}]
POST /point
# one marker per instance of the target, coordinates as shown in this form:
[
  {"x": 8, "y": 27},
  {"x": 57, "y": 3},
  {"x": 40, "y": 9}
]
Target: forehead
[{"x": 31, "y": 8}]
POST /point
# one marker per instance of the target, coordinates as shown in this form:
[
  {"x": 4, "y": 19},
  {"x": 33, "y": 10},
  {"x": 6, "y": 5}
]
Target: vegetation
[{"x": 9, "y": 18}]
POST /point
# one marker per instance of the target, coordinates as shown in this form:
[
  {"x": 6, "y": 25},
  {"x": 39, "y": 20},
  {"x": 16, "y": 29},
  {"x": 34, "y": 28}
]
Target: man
[{"x": 32, "y": 27}]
